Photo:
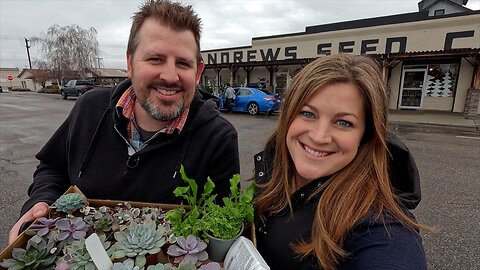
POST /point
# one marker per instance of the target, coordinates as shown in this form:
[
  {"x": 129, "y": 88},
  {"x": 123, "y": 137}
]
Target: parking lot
[{"x": 448, "y": 163}]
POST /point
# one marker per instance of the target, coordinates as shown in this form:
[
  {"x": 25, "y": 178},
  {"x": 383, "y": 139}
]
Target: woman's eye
[
  {"x": 307, "y": 114},
  {"x": 344, "y": 123}
]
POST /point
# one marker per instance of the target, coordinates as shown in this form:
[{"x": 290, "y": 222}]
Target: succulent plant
[
  {"x": 77, "y": 257},
  {"x": 190, "y": 249},
  {"x": 44, "y": 226},
  {"x": 128, "y": 264},
  {"x": 69, "y": 203},
  {"x": 137, "y": 240},
  {"x": 185, "y": 266},
  {"x": 39, "y": 254},
  {"x": 154, "y": 213},
  {"x": 70, "y": 229},
  {"x": 62, "y": 266},
  {"x": 168, "y": 266},
  {"x": 101, "y": 220},
  {"x": 210, "y": 266}
]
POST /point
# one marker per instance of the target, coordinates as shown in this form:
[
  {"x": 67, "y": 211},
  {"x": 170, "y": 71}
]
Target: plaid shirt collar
[{"x": 127, "y": 102}]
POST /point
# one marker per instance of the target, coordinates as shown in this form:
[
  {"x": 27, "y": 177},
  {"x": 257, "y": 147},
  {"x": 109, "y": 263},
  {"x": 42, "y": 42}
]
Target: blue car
[{"x": 253, "y": 101}]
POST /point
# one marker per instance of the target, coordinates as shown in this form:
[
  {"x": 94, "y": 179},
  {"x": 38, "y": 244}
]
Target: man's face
[{"x": 164, "y": 70}]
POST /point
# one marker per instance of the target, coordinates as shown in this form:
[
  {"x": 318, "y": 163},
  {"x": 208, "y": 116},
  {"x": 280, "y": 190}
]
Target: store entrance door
[{"x": 411, "y": 92}]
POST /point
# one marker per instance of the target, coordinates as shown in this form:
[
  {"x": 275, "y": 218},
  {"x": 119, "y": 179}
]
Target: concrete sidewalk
[{"x": 434, "y": 118}]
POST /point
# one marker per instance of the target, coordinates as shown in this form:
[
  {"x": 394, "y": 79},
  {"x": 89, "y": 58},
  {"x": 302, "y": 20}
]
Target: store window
[
  {"x": 439, "y": 12},
  {"x": 442, "y": 80}
]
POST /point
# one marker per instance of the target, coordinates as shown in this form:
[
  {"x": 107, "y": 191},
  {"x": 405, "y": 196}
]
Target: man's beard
[{"x": 156, "y": 112}]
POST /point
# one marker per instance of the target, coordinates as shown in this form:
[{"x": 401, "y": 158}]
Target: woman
[{"x": 327, "y": 201}]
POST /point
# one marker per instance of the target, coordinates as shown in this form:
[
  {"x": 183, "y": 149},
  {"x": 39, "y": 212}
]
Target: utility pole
[{"x": 27, "y": 45}]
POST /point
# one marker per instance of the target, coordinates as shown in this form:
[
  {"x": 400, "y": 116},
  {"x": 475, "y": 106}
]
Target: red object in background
[{"x": 10, "y": 77}]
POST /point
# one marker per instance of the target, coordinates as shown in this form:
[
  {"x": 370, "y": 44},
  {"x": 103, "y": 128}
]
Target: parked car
[
  {"x": 75, "y": 88},
  {"x": 206, "y": 95},
  {"x": 253, "y": 101},
  {"x": 259, "y": 85}
]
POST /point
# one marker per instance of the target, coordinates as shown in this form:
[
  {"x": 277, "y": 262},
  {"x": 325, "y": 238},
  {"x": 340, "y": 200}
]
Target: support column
[
  {"x": 248, "y": 70},
  {"x": 218, "y": 69},
  {"x": 233, "y": 74},
  {"x": 272, "y": 69}
]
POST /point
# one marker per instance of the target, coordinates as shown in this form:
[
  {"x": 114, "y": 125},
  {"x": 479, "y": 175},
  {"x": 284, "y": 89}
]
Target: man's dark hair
[{"x": 175, "y": 15}]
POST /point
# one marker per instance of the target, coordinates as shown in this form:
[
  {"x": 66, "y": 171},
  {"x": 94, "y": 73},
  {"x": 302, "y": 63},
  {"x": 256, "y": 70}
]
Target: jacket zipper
[{"x": 131, "y": 149}]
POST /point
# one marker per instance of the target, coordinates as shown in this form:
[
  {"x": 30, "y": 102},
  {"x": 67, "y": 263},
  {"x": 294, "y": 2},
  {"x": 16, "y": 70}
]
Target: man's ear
[
  {"x": 200, "y": 67},
  {"x": 129, "y": 65}
]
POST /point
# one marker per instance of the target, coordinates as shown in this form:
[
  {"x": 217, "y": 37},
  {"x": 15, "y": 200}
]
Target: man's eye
[
  {"x": 307, "y": 114},
  {"x": 184, "y": 64},
  {"x": 344, "y": 123}
]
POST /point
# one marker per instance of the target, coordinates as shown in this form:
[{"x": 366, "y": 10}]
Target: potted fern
[{"x": 223, "y": 224}]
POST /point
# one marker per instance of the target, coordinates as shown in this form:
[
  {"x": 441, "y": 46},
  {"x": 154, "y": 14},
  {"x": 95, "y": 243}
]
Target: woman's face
[{"x": 325, "y": 135}]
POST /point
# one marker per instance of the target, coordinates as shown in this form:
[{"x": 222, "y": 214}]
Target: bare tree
[
  {"x": 42, "y": 73},
  {"x": 69, "y": 50}
]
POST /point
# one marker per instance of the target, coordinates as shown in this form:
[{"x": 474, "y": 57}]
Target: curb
[{"x": 430, "y": 127}]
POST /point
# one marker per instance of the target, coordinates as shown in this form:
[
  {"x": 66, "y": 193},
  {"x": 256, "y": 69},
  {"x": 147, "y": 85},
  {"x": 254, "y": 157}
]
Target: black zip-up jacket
[{"x": 91, "y": 150}]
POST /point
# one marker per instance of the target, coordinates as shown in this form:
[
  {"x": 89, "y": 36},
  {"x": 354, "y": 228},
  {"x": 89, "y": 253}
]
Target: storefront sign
[{"x": 393, "y": 44}]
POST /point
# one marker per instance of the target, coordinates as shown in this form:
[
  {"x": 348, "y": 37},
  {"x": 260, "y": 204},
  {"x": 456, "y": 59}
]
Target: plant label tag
[
  {"x": 97, "y": 253},
  {"x": 244, "y": 256}
]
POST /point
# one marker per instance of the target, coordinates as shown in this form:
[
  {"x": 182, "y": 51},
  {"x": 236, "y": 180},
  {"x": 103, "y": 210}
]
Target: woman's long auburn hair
[{"x": 360, "y": 188}]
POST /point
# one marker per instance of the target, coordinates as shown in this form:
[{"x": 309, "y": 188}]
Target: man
[
  {"x": 229, "y": 97},
  {"x": 129, "y": 143}
]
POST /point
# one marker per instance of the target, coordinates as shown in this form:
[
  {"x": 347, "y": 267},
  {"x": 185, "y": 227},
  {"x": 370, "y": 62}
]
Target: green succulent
[
  {"x": 69, "y": 203},
  {"x": 181, "y": 266},
  {"x": 77, "y": 256},
  {"x": 39, "y": 254},
  {"x": 138, "y": 240},
  {"x": 128, "y": 264}
]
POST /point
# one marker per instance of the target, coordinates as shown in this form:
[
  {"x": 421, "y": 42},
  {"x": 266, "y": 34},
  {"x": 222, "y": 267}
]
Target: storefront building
[{"x": 430, "y": 58}]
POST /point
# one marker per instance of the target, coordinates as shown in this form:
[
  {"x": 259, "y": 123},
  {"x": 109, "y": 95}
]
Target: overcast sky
[{"x": 226, "y": 23}]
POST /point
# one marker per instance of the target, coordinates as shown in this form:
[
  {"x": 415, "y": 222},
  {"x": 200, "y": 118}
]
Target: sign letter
[
  {"x": 224, "y": 57},
  {"x": 269, "y": 56},
  {"x": 365, "y": 48},
  {"x": 453, "y": 35},
  {"x": 251, "y": 55},
  {"x": 291, "y": 52},
  {"x": 212, "y": 58},
  {"x": 322, "y": 48},
  {"x": 237, "y": 57},
  {"x": 342, "y": 47},
  {"x": 402, "y": 44}
]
